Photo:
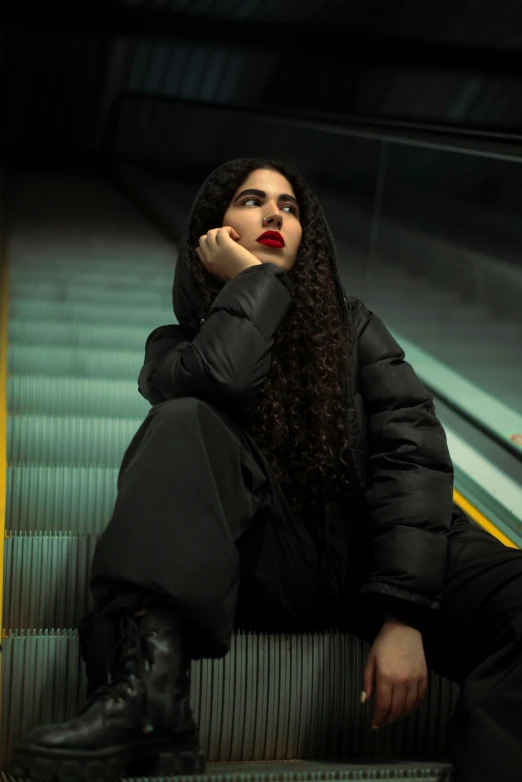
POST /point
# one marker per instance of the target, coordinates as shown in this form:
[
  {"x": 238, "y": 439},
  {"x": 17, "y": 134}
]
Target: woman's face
[{"x": 272, "y": 208}]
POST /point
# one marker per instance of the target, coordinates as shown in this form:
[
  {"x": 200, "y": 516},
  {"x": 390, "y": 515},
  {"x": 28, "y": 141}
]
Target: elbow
[{"x": 147, "y": 391}]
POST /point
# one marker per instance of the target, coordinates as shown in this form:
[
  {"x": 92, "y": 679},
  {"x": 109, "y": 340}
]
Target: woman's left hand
[{"x": 396, "y": 672}]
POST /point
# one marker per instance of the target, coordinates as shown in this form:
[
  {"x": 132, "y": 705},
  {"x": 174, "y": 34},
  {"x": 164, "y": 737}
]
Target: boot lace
[{"x": 127, "y": 658}]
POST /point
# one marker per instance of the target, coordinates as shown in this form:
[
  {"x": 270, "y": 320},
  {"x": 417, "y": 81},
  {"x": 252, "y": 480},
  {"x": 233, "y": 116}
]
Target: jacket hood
[{"x": 187, "y": 302}]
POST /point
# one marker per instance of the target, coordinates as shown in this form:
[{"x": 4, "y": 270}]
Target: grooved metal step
[
  {"x": 44, "y": 439},
  {"x": 151, "y": 277},
  {"x": 47, "y": 579},
  {"x": 271, "y": 698},
  {"x": 82, "y": 396},
  {"x": 53, "y": 333},
  {"x": 60, "y": 497},
  {"x": 148, "y": 317},
  {"x": 313, "y": 771},
  {"x": 57, "y": 293},
  {"x": 75, "y": 361}
]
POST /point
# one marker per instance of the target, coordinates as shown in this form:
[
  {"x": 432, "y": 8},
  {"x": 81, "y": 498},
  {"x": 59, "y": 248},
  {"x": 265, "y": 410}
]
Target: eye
[{"x": 293, "y": 209}]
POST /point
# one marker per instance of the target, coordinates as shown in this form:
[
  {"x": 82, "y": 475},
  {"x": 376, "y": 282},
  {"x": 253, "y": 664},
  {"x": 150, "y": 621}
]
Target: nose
[{"x": 274, "y": 220}]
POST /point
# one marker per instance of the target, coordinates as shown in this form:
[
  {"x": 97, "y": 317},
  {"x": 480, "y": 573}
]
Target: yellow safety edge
[{"x": 481, "y": 520}]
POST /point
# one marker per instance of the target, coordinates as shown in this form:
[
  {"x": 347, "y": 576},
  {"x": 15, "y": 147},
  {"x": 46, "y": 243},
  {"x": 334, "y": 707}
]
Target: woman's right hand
[{"x": 221, "y": 255}]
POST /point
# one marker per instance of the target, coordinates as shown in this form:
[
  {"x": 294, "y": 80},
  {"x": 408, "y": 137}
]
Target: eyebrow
[{"x": 262, "y": 194}]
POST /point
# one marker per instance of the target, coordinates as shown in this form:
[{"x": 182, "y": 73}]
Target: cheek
[
  {"x": 236, "y": 220},
  {"x": 298, "y": 237}
]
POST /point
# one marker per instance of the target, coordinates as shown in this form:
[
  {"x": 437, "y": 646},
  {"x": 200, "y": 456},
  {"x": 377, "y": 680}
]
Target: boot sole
[{"x": 153, "y": 758}]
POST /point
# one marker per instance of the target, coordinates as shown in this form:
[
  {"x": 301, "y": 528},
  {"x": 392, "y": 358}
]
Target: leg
[
  {"x": 286, "y": 583},
  {"x": 191, "y": 484},
  {"x": 476, "y": 640}
]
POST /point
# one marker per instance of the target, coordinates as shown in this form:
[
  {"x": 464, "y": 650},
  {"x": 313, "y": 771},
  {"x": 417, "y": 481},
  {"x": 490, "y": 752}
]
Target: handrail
[
  {"x": 481, "y": 267},
  {"x": 486, "y": 143},
  {"x": 497, "y": 493},
  {"x": 438, "y": 379}
]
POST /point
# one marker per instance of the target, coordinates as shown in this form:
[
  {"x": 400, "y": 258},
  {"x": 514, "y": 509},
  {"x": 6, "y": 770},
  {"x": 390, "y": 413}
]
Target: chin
[{"x": 270, "y": 258}]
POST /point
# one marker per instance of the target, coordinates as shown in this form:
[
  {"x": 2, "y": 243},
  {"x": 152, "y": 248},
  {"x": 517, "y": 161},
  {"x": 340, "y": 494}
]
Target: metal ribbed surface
[
  {"x": 100, "y": 442},
  {"x": 270, "y": 698},
  {"x": 85, "y": 291},
  {"x": 45, "y": 332},
  {"x": 78, "y": 362},
  {"x": 69, "y": 311},
  {"x": 60, "y": 498},
  {"x": 81, "y": 396},
  {"x": 47, "y": 579},
  {"x": 309, "y": 772}
]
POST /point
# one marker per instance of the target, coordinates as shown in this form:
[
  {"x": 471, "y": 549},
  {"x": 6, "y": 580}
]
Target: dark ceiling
[
  {"x": 409, "y": 64},
  {"x": 474, "y": 23}
]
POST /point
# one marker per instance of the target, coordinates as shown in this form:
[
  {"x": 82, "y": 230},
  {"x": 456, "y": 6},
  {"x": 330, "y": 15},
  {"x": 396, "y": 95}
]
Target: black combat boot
[{"x": 138, "y": 724}]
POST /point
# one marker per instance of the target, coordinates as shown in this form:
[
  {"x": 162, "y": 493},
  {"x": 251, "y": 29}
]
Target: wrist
[
  {"x": 397, "y": 611},
  {"x": 247, "y": 264},
  {"x": 391, "y": 621}
]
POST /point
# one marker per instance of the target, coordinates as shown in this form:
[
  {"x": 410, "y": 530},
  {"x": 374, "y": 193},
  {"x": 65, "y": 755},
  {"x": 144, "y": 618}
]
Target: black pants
[{"x": 200, "y": 520}]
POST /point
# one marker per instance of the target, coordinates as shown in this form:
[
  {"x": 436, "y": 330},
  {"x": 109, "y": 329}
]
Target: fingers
[
  {"x": 401, "y": 696},
  {"x": 383, "y": 701},
  {"x": 210, "y": 241},
  {"x": 215, "y": 235},
  {"x": 368, "y": 677},
  {"x": 229, "y": 231},
  {"x": 422, "y": 690},
  {"x": 222, "y": 235},
  {"x": 412, "y": 700},
  {"x": 397, "y": 702},
  {"x": 200, "y": 251},
  {"x": 207, "y": 244}
]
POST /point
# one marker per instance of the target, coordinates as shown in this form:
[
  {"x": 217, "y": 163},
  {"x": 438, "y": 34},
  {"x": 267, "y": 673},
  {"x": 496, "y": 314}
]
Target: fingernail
[{"x": 363, "y": 697}]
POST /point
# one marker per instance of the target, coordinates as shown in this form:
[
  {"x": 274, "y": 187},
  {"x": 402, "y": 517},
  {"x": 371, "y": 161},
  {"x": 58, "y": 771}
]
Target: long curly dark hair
[{"x": 299, "y": 421}]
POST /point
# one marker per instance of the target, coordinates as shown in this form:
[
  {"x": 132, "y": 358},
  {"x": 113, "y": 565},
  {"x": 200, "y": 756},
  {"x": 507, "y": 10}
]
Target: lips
[{"x": 271, "y": 239}]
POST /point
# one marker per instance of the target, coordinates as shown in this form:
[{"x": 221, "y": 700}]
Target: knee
[
  {"x": 183, "y": 406},
  {"x": 189, "y": 410}
]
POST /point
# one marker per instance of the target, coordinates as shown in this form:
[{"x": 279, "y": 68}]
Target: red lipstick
[{"x": 271, "y": 239}]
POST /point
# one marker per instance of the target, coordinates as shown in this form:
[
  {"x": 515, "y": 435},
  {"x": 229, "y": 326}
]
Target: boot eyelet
[
  {"x": 119, "y": 700},
  {"x": 154, "y": 634},
  {"x": 131, "y": 691}
]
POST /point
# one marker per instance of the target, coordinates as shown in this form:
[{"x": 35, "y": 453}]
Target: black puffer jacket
[{"x": 399, "y": 448}]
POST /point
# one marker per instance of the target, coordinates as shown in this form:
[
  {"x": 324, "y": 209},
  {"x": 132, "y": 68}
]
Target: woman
[{"x": 291, "y": 475}]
